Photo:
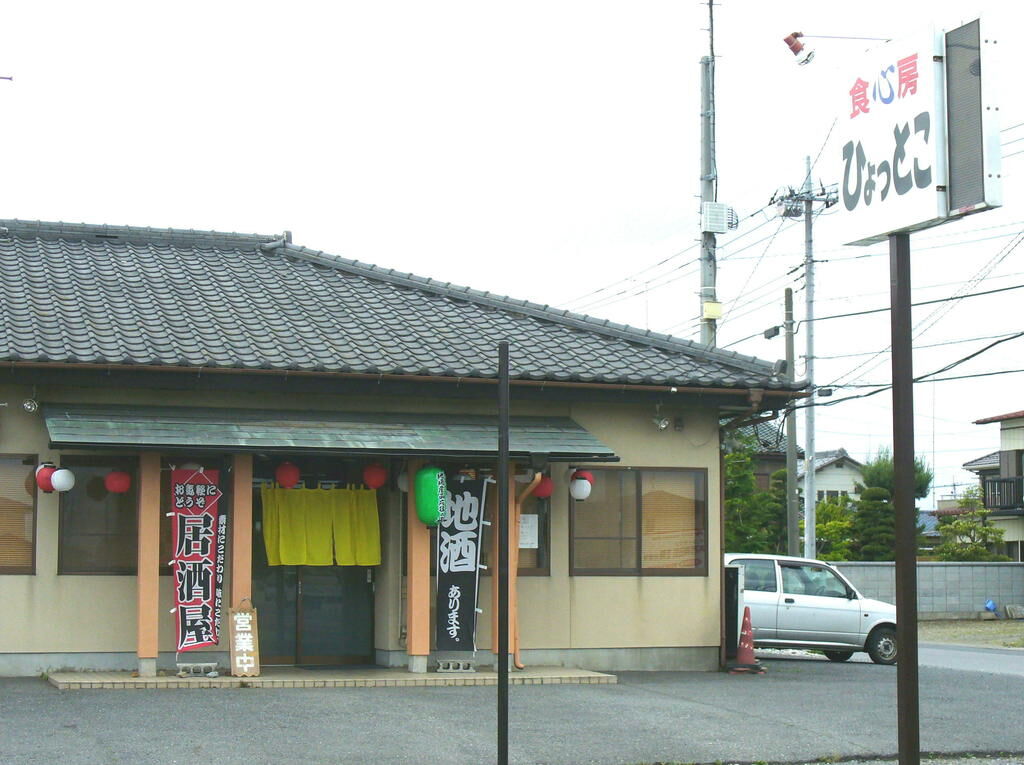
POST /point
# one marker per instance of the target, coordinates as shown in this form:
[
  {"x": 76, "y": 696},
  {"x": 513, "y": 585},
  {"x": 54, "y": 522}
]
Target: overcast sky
[{"x": 543, "y": 150}]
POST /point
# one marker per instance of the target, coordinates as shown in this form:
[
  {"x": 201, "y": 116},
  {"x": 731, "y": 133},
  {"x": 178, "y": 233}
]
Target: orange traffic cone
[{"x": 745, "y": 660}]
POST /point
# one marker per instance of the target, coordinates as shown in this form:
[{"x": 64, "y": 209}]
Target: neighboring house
[
  {"x": 928, "y": 522},
  {"x": 769, "y": 439},
  {"x": 131, "y": 353},
  {"x": 1001, "y": 476},
  {"x": 836, "y": 474}
]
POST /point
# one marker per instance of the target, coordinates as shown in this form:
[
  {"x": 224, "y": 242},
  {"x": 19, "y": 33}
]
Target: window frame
[
  {"x": 701, "y": 506},
  {"x": 543, "y": 540},
  {"x": 72, "y": 461},
  {"x": 28, "y": 460}
]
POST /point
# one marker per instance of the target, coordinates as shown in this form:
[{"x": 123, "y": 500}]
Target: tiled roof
[
  {"x": 987, "y": 462},
  {"x": 77, "y": 293},
  {"x": 824, "y": 459},
  {"x": 767, "y": 436},
  {"x": 1000, "y": 418}
]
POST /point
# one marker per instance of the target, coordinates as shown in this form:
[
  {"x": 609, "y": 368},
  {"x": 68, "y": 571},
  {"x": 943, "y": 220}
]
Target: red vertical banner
[{"x": 199, "y": 534}]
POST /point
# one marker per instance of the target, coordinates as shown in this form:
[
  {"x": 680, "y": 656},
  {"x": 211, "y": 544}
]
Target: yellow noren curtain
[
  {"x": 318, "y": 527},
  {"x": 366, "y": 528}
]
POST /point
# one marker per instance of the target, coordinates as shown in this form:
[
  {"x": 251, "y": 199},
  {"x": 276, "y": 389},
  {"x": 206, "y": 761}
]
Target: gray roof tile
[{"x": 123, "y": 295}]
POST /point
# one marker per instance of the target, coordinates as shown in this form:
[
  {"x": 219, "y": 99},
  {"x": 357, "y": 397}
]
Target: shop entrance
[
  {"x": 310, "y": 615},
  {"x": 314, "y": 615}
]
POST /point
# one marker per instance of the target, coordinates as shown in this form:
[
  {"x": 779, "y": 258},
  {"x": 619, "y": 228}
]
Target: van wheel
[
  {"x": 838, "y": 655},
  {"x": 881, "y": 646}
]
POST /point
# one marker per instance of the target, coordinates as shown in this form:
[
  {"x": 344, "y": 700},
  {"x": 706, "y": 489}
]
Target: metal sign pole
[
  {"x": 503, "y": 556},
  {"x": 903, "y": 500}
]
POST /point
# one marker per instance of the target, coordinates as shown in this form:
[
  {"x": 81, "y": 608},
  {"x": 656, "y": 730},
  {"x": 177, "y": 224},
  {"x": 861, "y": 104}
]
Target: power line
[
  {"x": 673, "y": 256},
  {"x": 924, "y": 378},
  {"x": 932, "y": 345},
  {"x": 933, "y": 318},
  {"x": 914, "y": 305}
]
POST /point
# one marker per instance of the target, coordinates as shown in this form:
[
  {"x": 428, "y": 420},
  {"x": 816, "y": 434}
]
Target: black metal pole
[
  {"x": 903, "y": 500},
  {"x": 502, "y": 658}
]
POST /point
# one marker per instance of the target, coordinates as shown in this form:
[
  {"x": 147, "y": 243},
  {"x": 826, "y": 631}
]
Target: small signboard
[
  {"x": 244, "y": 641},
  {"x": 529, "y": 532}
]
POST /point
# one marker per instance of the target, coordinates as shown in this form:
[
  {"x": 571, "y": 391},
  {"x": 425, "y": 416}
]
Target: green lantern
[{"x": 431, "y": 490}]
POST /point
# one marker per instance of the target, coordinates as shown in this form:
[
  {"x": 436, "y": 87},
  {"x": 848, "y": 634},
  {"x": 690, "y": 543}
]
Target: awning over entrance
[{"x": 559, "y": 439}]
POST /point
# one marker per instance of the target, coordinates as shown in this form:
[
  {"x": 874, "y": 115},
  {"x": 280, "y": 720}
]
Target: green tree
[
  {"x": 968, "y": 536},
  {"x": 833, "y": 528},
  {"x": 754, "y": 519},
  {"x": 878, "y": 473},
  {"x": 774, "y": 510},
  {"x": 874, "y": 526}
]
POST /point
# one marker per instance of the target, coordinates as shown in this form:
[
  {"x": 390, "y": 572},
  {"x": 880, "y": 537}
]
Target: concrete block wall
[{"x": 944, "y": 590}]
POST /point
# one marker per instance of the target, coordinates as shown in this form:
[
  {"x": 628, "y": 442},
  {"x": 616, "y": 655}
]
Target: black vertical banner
[{"x": 459, "y": 539}]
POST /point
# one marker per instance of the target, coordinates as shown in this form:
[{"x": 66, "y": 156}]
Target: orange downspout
[
  {"x": 241, "y": 529},
  {"x": 417, "y": 578},
  {"x": 517, "y": 507},
  {"x": 148, "y": 578}
]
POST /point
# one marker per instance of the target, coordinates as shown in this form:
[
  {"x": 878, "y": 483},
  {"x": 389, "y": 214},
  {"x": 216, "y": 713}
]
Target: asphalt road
[{"x": 804, "y": 708}]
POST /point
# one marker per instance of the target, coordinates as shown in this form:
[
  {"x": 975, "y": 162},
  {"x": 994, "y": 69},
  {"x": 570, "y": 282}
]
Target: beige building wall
[
  {"x": 47, "y": 613},
  {"x": 1011, "y": 435},
  {"x": 1013, "y": 528}
]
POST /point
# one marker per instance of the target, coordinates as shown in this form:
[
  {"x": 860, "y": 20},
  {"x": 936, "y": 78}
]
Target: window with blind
[
  {"x": 98, "y": 529},
  {"x": 641, "y": 522},
  {"x": 17, "y": 515}
]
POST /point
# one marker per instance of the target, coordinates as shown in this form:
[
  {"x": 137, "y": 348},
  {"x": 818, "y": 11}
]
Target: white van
[{"x": 804, "y": 603}]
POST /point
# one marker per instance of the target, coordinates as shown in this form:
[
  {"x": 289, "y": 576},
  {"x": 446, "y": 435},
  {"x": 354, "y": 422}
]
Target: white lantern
[
  {"x": 63, "y": 479},
  {"x": 579, "y": 488},
  {"x": 403, "y": 482}
]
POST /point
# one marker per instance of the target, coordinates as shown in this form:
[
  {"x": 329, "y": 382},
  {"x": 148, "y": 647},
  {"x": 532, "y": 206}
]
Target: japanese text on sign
[{"x": 199, "y": 536}]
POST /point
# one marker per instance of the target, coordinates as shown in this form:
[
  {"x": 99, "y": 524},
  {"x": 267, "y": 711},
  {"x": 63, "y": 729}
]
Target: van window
[
  {"x": 809, "y": 579},
  {"x": 758, "y": 575}
]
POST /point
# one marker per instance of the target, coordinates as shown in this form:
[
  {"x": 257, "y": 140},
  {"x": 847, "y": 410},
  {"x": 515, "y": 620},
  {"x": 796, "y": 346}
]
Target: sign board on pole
[
  {"x": 911, "y": 158},
  {"x": 244, "y": 640}
]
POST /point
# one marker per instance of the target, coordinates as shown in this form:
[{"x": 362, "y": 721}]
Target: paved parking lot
[{"x": 804, "y": 708}]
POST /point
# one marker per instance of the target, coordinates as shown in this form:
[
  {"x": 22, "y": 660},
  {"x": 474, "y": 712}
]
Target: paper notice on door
[{"x": 528, "y": 532}]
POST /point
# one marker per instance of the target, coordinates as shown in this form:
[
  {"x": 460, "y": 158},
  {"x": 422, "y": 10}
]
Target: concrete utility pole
[
  {"x": 810, "y": 500},
  {"x": 708, "y": 182},
  {"x": 808, "y": 196},
  {"x": 792, "y": 493}
]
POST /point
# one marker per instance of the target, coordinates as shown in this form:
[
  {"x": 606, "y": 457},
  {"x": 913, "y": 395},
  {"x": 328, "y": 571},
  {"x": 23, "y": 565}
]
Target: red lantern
[
  {"x": 586, "y": 475},
  {"x": 375, "y": 475},
  {"x": 287, "y": 475},
  {"x": 44, "y": 474},
  {"x": 544, "y": 488},
  {"x": 117, "y": 481}
]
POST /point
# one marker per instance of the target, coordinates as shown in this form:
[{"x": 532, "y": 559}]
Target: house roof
[
  {"x": 119, "y": 295},
  {"x": 987, "y": 462},
  {"x": 1000, "y": 418},
  {"x": 824, "y": 459},
  {"x": 930, "y": 521},
  {"x": 768, "y": 437}
]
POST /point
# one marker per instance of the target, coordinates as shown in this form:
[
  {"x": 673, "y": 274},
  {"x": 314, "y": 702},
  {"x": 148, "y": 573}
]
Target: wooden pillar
[
  {"x": 148, "y": 587},
  {"x": 241, "y": 529},
  {"x": 417, "y": 582}
]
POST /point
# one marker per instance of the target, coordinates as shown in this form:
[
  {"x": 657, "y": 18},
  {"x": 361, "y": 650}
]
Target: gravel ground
[
  {"x": 979, "y": 760},
  {"x": 997, "y": 633}
]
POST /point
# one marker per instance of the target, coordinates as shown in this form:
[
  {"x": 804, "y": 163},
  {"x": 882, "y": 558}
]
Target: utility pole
[
  {"x": 708, "y": 191},
  {"x": 808, "y": 196},
  {"x": 810, "y": 499},
  {"x": 792, "y": 493}
]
